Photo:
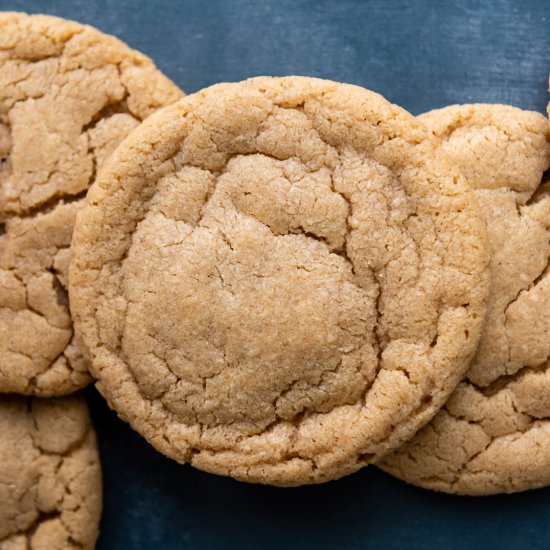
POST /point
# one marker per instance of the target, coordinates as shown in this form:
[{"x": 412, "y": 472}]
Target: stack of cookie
[{"x": 281, "y": 280}]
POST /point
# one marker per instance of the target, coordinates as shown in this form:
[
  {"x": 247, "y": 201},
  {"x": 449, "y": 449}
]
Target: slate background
[{"x": 420, "y": 54}]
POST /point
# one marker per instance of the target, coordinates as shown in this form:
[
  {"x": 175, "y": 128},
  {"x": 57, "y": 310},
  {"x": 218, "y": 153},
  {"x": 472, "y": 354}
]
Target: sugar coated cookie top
[{"x": 279, "y": 279}]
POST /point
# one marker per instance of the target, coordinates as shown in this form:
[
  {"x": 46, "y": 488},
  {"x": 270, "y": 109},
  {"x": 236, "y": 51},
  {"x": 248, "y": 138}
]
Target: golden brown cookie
[
  {"x": 50, "y": 478},
  {"x": 494, "y": 433},
  {"x": 278, "y": 280},
  {"x": 68, "y": 95}
]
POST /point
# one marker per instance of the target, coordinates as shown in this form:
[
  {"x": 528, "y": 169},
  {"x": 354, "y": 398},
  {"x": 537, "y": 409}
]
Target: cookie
[
  {"x": 278, "y": 280},
  {"x": 493, "y": 435},
  {"x": 68, "y": 95},
  {"x": 50, "y": 478}
]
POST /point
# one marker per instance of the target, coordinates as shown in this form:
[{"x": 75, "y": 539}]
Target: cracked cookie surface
[
  {"x": 493, "y": 435},
  {"x": 50, "y": 477},
  {"x": 68, "y": 95},
  {"x": 278, "y": 280}
]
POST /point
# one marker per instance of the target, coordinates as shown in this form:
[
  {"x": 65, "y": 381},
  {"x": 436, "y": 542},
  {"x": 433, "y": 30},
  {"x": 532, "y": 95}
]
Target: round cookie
[
  {"x": 68, "y": 95},
  {"x": 50, "y": 477},
  {"x": 493, "y": 435},
  {"x": 278, "y": 280}
]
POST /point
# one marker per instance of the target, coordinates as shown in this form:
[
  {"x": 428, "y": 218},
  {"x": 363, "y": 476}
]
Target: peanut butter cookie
[
  {"x": 278, "y": 279},
  {"x": 493, "y": 435},
  {"x": 68, "y": 95},
  {"x": 50, "y": 478}
]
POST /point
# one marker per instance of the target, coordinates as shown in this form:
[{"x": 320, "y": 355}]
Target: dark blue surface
[{"x": 420, "y": 54}]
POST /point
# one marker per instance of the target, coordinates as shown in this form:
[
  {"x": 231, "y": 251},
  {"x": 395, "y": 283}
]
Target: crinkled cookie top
[
  {"x": 278, "y": 280},
  {"x": 494, "y": 433},
  {"x": 68, "y": 95},
  {"x": 50, "y": 478}
]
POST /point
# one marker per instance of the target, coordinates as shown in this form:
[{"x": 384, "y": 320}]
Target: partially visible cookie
[
  {"x": 278, "y": 279},
  {"x": 68, "y": 95},
  {"x": 50, "y": 477},
  {"x": 493, "y": 435}
]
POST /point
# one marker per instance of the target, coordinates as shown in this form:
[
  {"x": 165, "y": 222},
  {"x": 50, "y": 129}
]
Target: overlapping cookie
[
  {"x": 280, "y": 279},
  {"x": 68, "y": 95},
  {"x": 493, "y": 435}
]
